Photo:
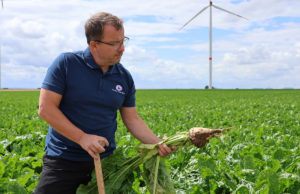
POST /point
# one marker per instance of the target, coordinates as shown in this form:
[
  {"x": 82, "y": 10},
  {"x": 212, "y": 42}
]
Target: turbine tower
[{"x": 210, "y": 33}]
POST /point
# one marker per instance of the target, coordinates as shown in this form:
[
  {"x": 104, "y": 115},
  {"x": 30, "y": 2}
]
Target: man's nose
[{"x": 121, "y": 48}]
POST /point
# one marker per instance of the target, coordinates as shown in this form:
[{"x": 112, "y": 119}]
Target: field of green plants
[{"x": 260, "y": 155}]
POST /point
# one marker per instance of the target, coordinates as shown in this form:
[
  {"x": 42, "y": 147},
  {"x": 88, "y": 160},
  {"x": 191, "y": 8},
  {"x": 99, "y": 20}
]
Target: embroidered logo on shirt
[{"x": 119, "y": 89}]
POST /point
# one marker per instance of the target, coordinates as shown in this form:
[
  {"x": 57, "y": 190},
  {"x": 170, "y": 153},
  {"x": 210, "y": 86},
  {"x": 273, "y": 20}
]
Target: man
[{"x": 80, "y": 96}]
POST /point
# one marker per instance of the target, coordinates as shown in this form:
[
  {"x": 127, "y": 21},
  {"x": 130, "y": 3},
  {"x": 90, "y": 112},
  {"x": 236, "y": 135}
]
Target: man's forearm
[
  {"x": 60, "y": 123},
  {"x": 142, "y": 132}
]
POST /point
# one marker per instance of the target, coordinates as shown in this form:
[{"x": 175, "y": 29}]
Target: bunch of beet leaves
[{"x": 120, "y": 171}]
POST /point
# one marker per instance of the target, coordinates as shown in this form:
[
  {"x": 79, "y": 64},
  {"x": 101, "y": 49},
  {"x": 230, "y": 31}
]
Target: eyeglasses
[{"x": 115, "y": 45}]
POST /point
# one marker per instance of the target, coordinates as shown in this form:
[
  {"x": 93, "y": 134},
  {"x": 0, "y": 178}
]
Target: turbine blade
[
  {"x": 194, "y": 17},
  {"x": 228, "y": 12}
]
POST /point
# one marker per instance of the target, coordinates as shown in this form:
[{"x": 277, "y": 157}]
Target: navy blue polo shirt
[{"x": 90, "y": 100}]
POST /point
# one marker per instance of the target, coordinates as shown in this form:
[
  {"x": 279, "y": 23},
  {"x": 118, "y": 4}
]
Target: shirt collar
[{"x": 90, "y": 62}]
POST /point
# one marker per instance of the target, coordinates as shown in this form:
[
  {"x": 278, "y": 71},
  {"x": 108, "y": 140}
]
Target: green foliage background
[{"x": 261, "y": 154}]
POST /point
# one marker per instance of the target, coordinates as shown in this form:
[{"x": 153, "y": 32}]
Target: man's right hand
[{"x": 93, "y": 144}]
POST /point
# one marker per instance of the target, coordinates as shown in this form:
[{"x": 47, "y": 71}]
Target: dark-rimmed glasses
[{"x": 115, "y": 45}]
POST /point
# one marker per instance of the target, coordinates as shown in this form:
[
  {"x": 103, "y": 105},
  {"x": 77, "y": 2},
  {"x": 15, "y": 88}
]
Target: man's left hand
[{"x": 164, "y": 150}]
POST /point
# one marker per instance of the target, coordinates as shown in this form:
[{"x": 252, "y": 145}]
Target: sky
[{"x": 261, "y": 52}]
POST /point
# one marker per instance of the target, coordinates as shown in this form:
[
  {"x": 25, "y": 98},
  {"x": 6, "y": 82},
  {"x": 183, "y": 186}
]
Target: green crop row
[{"x": 260, "y": 155}]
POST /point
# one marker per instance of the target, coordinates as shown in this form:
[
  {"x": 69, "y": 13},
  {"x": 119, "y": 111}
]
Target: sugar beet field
[{"x": 261, "y": 154}]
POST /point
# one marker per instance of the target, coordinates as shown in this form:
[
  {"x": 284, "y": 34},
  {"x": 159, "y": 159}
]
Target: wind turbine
[
  {"x": 210, "y": 33},
  {"x": 0, "y": 47}
]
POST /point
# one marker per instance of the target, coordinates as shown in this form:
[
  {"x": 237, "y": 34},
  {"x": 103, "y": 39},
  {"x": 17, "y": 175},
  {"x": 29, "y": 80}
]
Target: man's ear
[{"x": 93, "y": 46}]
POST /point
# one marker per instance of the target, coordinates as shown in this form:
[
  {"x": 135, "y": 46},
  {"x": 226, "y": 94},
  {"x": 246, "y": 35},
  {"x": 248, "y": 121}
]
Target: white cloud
[
  {"x": 144, "y": 28},
  {"x": 261, "y": 52},
  {"x": 25, "y": 29},
  {"x": 147, "y": 67},
  {"x": 23, "y": 72},
  {"x": 261, "y": 66},
  {"x": 28, "y": 75}
]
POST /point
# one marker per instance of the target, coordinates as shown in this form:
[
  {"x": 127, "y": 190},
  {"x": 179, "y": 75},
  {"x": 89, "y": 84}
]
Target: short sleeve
[{"x": 55, "y": 79}]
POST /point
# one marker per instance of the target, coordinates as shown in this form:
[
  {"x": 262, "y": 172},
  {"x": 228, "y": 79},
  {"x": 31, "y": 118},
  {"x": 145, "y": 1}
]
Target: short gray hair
[{"x": 94, "y": 26}]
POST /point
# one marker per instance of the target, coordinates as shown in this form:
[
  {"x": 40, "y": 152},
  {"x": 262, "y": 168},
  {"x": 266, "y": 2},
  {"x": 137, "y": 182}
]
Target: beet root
[{"x": 200, "y": 136}]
